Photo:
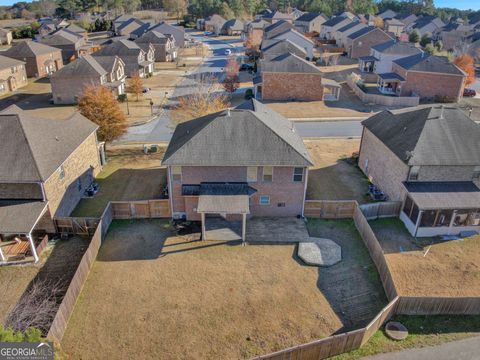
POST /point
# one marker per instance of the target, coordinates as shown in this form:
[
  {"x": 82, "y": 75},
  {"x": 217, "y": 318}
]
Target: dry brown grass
[
  {"x": 332, "y": 178},
  {"x": 155, "y": 295}
]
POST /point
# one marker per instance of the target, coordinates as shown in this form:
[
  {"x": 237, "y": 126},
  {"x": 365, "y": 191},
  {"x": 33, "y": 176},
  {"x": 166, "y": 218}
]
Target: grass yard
[
  {"x": 157, "y": 295},
  {"x": 449, "y": 268},
  {"x": 128, "y": 175},
  {"x": 423, "y": 331},
  {"x": 332, "y": 178}
]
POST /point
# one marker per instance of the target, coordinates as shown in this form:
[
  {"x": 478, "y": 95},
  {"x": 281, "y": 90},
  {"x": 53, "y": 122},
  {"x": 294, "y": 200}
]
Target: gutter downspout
[{"x": 305, "y": 192}]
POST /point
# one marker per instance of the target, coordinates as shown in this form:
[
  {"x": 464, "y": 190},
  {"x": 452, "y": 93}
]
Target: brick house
[
  {"x": 136, "y": 59},
  {"x": 41, "y": 60},
  {"x": 59, "y": 160},
  {"x": 288, "y": 77},
  {"x": 429, "y": 77},
  {"x": 163, "y": 45},
  {"x": 69, "y": 82},
  {"x": 12, "y": 74},
  {"x": 310, "y": 22},
  {"x": 360, "y": 42},
  {"x": 428, "y": 158},
  {"x": 71, "y": 44},
  {"x": 247, "y": 161}
]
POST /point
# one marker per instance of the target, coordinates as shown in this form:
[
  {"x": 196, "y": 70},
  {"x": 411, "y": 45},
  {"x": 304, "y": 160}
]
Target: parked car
[
  {"x": 469, "y": 93},
  {"x": 207, "y": 33},
  {"x": 146, "y": 90},
  {"x": 228, "y": 52},
  {"x": 246, "y": 67}
]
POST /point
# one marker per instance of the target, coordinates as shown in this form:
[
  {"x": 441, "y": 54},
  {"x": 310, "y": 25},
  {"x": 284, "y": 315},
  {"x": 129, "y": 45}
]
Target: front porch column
[
  {"x": 203, "y": 226},
  {"x": 32, "y": 247},
  {"x": 417, "y": 224},
  {"x": 244, "y": 228},
  {"x": 2, "y": 257},
  {"x": 452, "y": 220}
]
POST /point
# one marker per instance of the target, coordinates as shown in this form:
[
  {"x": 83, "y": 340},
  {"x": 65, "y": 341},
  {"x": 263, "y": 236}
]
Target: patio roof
[
  {"x": 391, "y": 76},
  {"x": 20, "y": 216},
  {"x": 229, "y": 204},
  {"x": 444, "y": 195},
  {"x": 368, "y": 58}
]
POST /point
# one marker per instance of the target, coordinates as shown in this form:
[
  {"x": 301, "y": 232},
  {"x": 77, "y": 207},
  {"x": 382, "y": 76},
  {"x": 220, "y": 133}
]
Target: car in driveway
[
  {"x": 228, "y": 52},
  {"x": 469, "y": 93}
]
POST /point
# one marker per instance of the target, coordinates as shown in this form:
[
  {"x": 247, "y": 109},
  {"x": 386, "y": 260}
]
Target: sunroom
[{"x": 441, "y": 208}]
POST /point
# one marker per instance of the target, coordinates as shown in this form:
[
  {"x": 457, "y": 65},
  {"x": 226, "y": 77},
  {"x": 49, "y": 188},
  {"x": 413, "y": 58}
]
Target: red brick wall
[
  {"x": 428, "y": 85},
  {"x": 292, "y": 86},
  {"x": 363, "y": 45},
  {"x": 281, "y": 190}
]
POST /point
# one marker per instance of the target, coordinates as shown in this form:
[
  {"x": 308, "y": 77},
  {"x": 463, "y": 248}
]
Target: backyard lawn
[
  {"x": 128, "y": 175},
  {"x": 333, "y": 177},
  {"x": 153, "y": 292},
  {"x": 449, "y": 268}
]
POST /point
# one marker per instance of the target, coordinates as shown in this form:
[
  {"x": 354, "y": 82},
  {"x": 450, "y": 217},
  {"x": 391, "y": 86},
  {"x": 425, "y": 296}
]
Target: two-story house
[
  {"x": 71, "y": 44},
  {"x": 178, "y": 32},
  {"x": 136, "y": 59},
  {"x": 69, "y": 82},
  {"x": 310, "y": 22},
  {"x": 164, "y": 46},
  {"x": 40, "y": 59},
  {"x": 45, "y": 168},
  {"x": 246, "y": 161},
  {"x": 214, "y": 23},
  {"x": 329, "y": 26},
  {"x": 429, "y": 159},
  {"x": 361, "y": 42},
  {"x": 12, "y": 74},
  {"x": 340, "y": 35},
  {"x": 296, "y": 38}
]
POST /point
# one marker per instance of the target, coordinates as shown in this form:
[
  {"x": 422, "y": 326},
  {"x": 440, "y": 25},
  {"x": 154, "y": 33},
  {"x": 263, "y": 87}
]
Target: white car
[{"x": 228, "y": 52}]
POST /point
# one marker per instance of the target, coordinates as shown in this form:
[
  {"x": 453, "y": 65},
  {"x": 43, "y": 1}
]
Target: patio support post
[
  {"x": 2, "y": 257},
  {"x": 203, "y": 226},
  {"x": 244, "y": 228},
  {"x": 452, "y": 220},
  {"x": 417, "y": 224},
  {"x": 32, "y": 247}
]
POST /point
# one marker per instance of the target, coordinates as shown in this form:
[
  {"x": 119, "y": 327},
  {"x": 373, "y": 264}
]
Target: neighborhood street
[{"x": 161, "y": 129}]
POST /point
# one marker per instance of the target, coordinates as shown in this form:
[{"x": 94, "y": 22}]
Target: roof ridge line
[{"x": 29, "y": 146}]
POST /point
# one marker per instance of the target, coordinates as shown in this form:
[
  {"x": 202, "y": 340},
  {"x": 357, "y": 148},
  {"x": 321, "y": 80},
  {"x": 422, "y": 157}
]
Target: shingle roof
[
  {"x": 434, "y": 135},
  {"x": 334, "y": 21},
  {"x": 20, "y": 216},
  {"x": 86, "y": 65},
  {"x": 289, "y": 63},
  {"x": 295, "y": 32},
  {"x": 29, "y": 49},
  {"x": 121, "y": 47},
  {"x": 33, "y": 148},
  {"x": 361, "y": 32},
  {"x": 61, "y": 37},
  {"x": 134, "y": 22},
  {"x": 309, "y": 16},
  {"x": 394, "y": 22},
  {"x": 349, "y": 26},
  {"x": 427, "y": 63},
  {"x": 233, "y": 24},
  {"x": 397, "y": 48},
  {"x": 107, "y": 62},
  {"x": 6, "y": 62},
  {"x": 75, "y": 28},
  {"x": 284, "y": 46},
  {"x": 276, "y": 28},
  {"x": 251, "y": 134}
]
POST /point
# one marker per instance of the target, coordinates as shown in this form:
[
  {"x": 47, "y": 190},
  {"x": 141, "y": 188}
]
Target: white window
[
  {"x": 298, "y": 174},
  {"x": 413, "y": 176},
  {"x": 176, "y": 173},
  {"x": 268, "y": 173},
  {"x": 61, "y": 172},
  {"x": 264, "y": 200},
  {"x": 251, "y": 174},
  {"x": 476, "y": 173}
]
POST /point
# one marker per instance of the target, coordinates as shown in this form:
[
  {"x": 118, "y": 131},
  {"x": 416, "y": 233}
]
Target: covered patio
[
  {"x": 390, "y": 83},
  {"x": 331, "y": 90},
  {"x": 441, "y": 208},
  {"x": 22, "y": 238},
  {"x": 366, "y": 64}
]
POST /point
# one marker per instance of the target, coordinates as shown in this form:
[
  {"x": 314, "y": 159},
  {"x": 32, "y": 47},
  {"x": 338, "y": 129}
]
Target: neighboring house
[
  {"x": 59, "y": 161},
  {"x": 455, "y": 34},
  {"x": 12, "y": 74},
  {"x": 276, "y": 16},
  {"x": 282, "y": 47},
  {"x": 214, "y": 23},
  {"x": 298, "y": 39},
  {"x": 72, "y": 45},
  {"x": 310, "y": 22},
  {"x": 247, "y": 161},
  {"x": 429, "y": 77},
  {"x": 473, "y": 46},
  {"x": 289, "y": 77},
  {"x": 129, "y": 26},
  {"x": 382, "y": 56},
  {"x": 69, "y": 82},
  {"x": 77, "y": 30},
  {"x": 164, "y": 45},
  {"x": 330, "y": 26},
  {"x": 394, "y": 26},
  {"x": 46, "y": 28},
  {"x": 232, "y": 27},
  {"x": 429, "y": 159},
  {"x": 407, "y": 19},
  {"x": 367, "y": 19},
  {"x": 178, "y": 32},
  {"x": 296, "y": 13},
  {"x": 119, "y": 20},
  {"x": 426, "y": 25},
  {"x": 274, "y": 29},
  {"x": 360, "y": 43},
  {"x": 387, "y": 14},
  {"x": 340, "y": 35},
  {"x": 41, "y": 60},
  {"x": 254, "y": 31},
  {"x": 136, "y": 59},
  {"x": 262, "y": 14},
  {"x": 5, "y": 37}
]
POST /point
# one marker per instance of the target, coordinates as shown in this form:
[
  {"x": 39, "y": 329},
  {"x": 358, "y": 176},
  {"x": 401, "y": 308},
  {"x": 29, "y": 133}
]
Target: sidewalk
[{"x": 468, "y": 349}]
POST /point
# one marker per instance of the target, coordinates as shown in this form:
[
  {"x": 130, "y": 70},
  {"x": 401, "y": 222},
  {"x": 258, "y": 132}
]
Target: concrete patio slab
[
  {"x": 276, "y": 230},
  {"x": 320, "y": 252}
]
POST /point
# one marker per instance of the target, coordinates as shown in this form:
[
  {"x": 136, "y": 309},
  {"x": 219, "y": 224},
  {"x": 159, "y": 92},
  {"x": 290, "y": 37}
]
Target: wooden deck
[{"x": 19, "y": 248}]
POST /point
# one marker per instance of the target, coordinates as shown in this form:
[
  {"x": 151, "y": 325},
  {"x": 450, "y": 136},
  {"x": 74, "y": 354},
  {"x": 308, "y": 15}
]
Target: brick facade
[
  {"x": 382, "y": 166},
  {"x": 292, "y": 86},
  {"x": 13, "y": 78},
  {"x": 362, "y": 45},
  {"x": 430, "y": 85},
  {"x": 43, "y": 65},
  {"x": 282, "y": 189},
  {"x": 63, "y": 194}
]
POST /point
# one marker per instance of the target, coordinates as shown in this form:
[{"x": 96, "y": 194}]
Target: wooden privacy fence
[
  {"x": 146, "y": 209},
  {"x": 76, "y": 225},
  {"x": 330, "y": 209},
  {"x": 438, "y": 306},
  {"x": 381, "y": 209}
]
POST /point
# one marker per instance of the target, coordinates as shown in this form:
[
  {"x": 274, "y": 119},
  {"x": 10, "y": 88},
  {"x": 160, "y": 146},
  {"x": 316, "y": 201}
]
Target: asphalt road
[{"x": 161, "y": 128}]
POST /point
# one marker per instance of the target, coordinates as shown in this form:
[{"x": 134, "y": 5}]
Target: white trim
[
  {"x": 263, "y": 174},
  {"x": 260, "y": 200},
  {"x": 170, "y": 194},
  {"x": 305, "y": 192},
  {"x": 303, "y": 174}
]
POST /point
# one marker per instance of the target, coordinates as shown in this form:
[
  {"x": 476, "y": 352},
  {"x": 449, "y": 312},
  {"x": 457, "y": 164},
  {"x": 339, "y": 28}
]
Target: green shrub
[
  {"x": 30, "y": 335},
  {"x": 122, "y": 98},
  {"x": 249, "y": 94}
]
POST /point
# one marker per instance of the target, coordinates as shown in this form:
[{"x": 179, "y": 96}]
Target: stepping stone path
[{"x": 320, "y": 252}]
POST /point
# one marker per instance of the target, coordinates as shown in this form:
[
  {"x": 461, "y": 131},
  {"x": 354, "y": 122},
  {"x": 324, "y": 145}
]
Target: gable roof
[
  {"x": 108, "y": 62},
  {"x": 294, "y": 32},
  {"x": 75, "y": 28},
  {"x": 394, "y": 47},
  {"x": 351, "y": 25},
  {"x": 427, "y": 19},
  {"x": 276, "y": 28},
  {"x": 434, "y": 135},
  {"x": 29, "y": 49},
  {"x": 215, "y": 18},
  {"x": 61, "y": 37},
  {"x": 233, "y": 24},
  {"x": 133, "y": 23},
  {"x": 120, "y": 47},
  {"x": 165, "y": 28},
  {"x": 284, "y": 46},
  {"x": 289, "y": 63},
  {"x": 249, "y": 135},
  {"x": 33, "y": 148},
  {"x": 394, "y": 22},
  {"x": 362, "y": 32},
  {"x": 310, "y": 16},
  {"x": 429, "y": 63},
  {"x": 335, "y": 21},
  {"x": 86, "y": 65},
  {"x": 6, "y": 62}
]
